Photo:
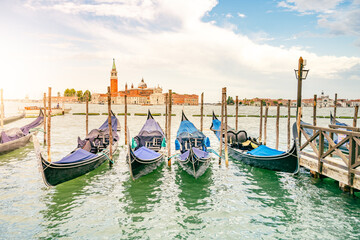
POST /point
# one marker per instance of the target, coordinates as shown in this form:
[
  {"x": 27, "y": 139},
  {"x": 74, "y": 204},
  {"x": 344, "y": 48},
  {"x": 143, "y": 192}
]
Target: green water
[{"x": 235, "y": 202}]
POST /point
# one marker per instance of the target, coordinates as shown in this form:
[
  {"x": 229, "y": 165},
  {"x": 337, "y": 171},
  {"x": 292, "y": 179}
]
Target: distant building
[{"x": 141, "y": 95}]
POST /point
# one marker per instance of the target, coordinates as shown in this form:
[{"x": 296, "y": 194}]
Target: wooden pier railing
[{"x": 327, "y": 158}]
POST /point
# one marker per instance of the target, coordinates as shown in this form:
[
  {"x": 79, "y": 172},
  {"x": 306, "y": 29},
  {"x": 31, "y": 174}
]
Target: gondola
[
  {"x": 145, "y": 150},
  {"x": 245, "y": 149},
  {"x": 89, "y": 154},
  {"x": 192, "y": 144},
  {"x": 14, "y": 138}
]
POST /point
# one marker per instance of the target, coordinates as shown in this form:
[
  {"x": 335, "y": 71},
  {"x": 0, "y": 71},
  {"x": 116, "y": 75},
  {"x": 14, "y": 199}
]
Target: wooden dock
[{"x": 325, "y": 158}]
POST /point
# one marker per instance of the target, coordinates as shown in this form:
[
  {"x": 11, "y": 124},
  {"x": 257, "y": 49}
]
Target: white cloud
[
  {"x": 241, "y": 15},
  {"x": 306, "y": 6},
  {"x": 228, "y": 15},
  {"x": 194, "y": 57}
]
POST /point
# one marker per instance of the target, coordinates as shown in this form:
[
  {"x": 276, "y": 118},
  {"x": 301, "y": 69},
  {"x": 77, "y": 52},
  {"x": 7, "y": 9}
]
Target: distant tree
[
  {"x": 230, "y": 101},
  {"x": 80, "y": 95},
  {"x": 58, "y": 94},
  {"x": 89, "y": 94},
  {"x": 275, "y": 102}
]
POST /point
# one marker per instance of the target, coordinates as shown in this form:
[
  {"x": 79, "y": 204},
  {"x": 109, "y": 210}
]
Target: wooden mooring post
[
  {"x": 45, "y": 118},
  {"x": 166, "y": 116},
  {"x": 335, "y": 103},
  {"x": 2, "y": 109},
  {"x": 236, "y": 113},
  {"x": 261, "y": 120},
  {"x": 221, "y": 125},
  {"x": 277, "y": 125},
  {"x": 110, "y": 127},
  {"x": 169, "y": 128},
  {"x": 87, "y": 114},
  {"x": 314, "y": 110},
  {"x": 288, "y": 124},
  {"x": 202, "y": 112},
  {"x": 265, "y": 121},
  {"x": 355, "y": 115},
  {"x": 49, "y": 127},
  {"x": 226, "y": 124},
  {"x": 125, "y": 120}
]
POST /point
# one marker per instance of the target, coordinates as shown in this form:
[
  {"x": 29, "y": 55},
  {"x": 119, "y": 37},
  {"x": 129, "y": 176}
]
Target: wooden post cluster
[
  {"x": 49, "y": 126},
  {"x": 261, "y": 120},
  {"x": 225, "y": 128},
  {"x": 202, "y": 112},
  {"x": 87, "y": 114},
  {"x": 169, "y": 127},
  {"x": 277, "y": 125},
  {"x": 237, "y": 113},
  {"x": 2, "y": 109},
  {"x": 110, "y": 127},
  {"x": 265, "y": 122},
  {"x": 125, "y": 120},
  {"x": 288, "y": 124},
  {"x": 299, "y": 77},
  {"x": 45, "y": 118}
]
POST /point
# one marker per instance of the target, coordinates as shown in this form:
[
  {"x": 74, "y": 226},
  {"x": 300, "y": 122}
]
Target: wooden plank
[
  {"x": 355, "y": 129},
  {"x": 261, "y": 119},
  {"x": 355, "y": 115},
  {"x": 309, "y": 141},
  {"x": 324, "y": 129},
  {"x": 288, "y": 125},
  {"x": 236, "y": 113},
  {"x": 321, "y": 151},
  {"x": 110, "y": 127},
  {"x": 265, "y": 122},
  {"x": 169, "y": 127},
  {"x": 202, "y": 112},
  {"x": 338, "y": 152},
  {"x": 226, "y": 134},
  {"x": 49, "y": 128},
  {"x": 332, "y": 148}
]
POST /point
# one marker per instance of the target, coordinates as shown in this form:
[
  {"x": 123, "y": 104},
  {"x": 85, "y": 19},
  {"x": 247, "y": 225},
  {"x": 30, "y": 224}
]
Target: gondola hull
[
  {"x": 194, "y": 165},
  {"x": 54, "y": 174},
  {"x": 287, "y": 162},
  {"x": 18, "y": 143},
  {"x": 139, "y": 167}
]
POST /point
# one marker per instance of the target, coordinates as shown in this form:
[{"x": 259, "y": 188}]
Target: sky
[{"x": 189, "y": 46}]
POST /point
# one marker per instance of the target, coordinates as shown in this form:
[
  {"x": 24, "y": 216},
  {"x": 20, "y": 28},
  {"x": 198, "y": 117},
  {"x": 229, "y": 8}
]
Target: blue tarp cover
[
  {"x": 77, "y": 156},
  {"x": 146, "y": 154},
  {"x": 216, "y": 126},
  {"x": 185, "y": 155},
  {"x": 114, "y": 123},
  {"x": 186, "y": 126},
  {"x": 263, "y": 150}
]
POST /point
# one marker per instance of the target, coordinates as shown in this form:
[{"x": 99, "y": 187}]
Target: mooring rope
[
  {"x": 107, "y": 157},
  {"x": 175, "y": 155},
  {"x": 213, "y": 151},
  {"x": 37, "y": 129}
]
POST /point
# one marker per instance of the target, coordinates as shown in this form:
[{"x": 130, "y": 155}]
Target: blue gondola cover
[
  {"x": 263, "y": 150},
  {"x": 146, "y": 154},
  {"x": 77, "y": 156}
]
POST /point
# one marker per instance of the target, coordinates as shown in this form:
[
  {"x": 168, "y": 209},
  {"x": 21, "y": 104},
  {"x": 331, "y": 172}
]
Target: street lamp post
[{"x": 300, "y": 74}]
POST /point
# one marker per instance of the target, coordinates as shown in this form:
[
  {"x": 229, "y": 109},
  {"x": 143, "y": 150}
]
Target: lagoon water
[{"x": 234, "y": 202}]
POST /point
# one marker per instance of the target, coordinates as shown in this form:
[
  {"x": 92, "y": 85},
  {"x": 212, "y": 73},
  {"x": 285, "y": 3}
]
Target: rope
[
  {"x": 37, "y": 129},
  {"x": 107, "y": 157},
  {"x": 175, "y": 155},
  {"x": 213, "y": 151}
]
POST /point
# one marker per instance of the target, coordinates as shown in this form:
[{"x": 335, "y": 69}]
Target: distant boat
[
  {"x": 33, "y": 110},
  {"x": 146, "y": 155},
  {"x": 89, "y": 154},
  {"x": 14, "y": 138}
]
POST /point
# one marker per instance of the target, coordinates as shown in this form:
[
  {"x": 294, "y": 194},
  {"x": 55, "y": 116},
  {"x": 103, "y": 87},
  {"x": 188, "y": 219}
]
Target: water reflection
[
  {"x": 63, "y": 199},
  {"x": 16, "y": 155},
  {"x": 194, "y": 199}
]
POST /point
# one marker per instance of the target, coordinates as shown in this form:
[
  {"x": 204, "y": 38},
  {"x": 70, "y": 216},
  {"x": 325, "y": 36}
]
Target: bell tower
[{"x": 113, "y": 79}]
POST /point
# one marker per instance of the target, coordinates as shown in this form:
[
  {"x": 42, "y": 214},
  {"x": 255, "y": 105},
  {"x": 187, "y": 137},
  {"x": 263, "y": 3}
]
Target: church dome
[{"x": 142, "y": 84}]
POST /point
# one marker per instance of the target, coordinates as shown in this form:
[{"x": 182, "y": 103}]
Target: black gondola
[
  {"x": 192, "y": 143},
  {"x": 338, "y": 137},
  {"x": 145, "y": 150},
  {"x": 18, "y": 137},
  {"x": 239, "y": 147},
  {"x": 90, "y": 153}
]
